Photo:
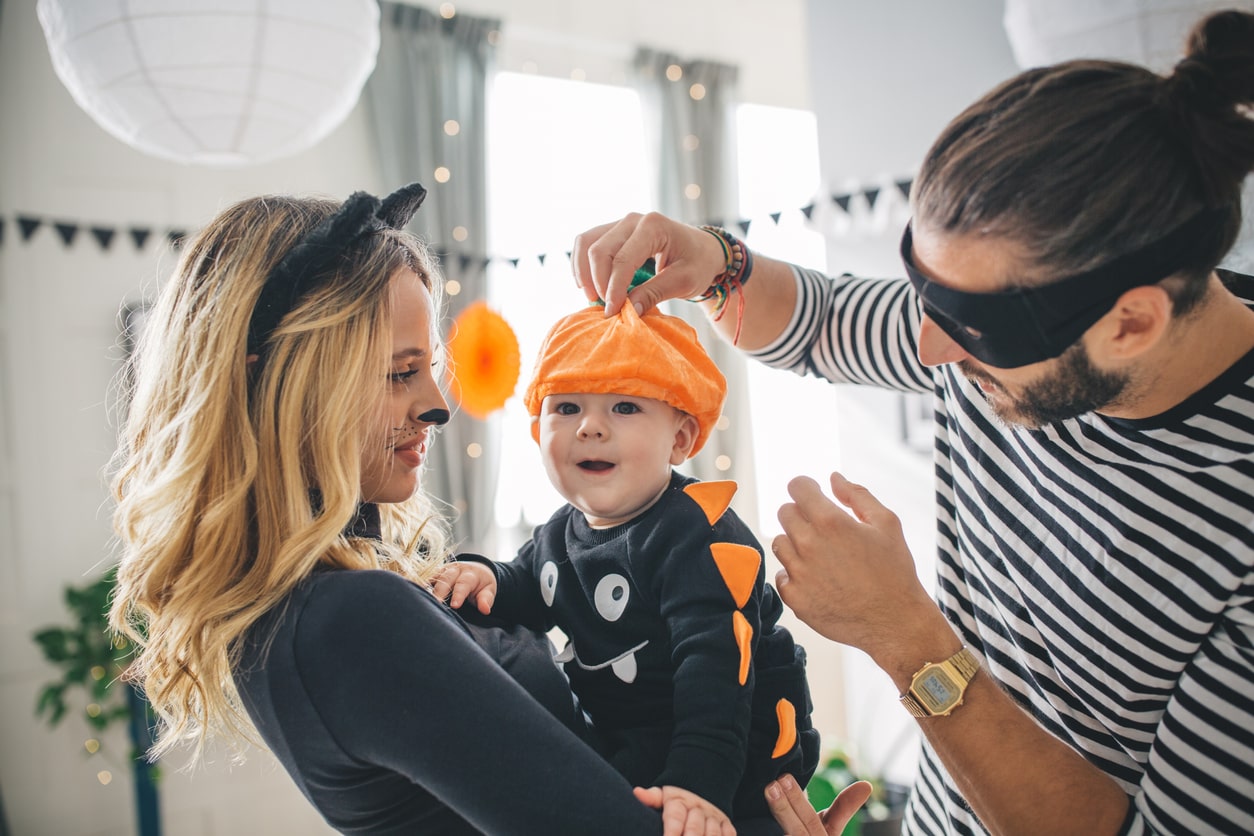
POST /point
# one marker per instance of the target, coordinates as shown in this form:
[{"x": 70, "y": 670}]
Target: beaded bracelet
[{"x": 738, "y": 269}]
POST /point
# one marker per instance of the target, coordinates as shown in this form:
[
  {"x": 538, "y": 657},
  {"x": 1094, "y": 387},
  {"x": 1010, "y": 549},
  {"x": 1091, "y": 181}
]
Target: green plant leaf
[
  {"x": 55, "y": 643},
  {"x": 51, "y": 702}
]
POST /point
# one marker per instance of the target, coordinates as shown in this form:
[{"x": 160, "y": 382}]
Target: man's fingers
[
  {"x": 580, "y": 264},
  {"x": 795, "y": 818},
  {"x": 667, "y": 284},
  {"x": 858, "y": 499},
  {"x": 613, "y": 259},
  {"x": 848, "y": 802}
]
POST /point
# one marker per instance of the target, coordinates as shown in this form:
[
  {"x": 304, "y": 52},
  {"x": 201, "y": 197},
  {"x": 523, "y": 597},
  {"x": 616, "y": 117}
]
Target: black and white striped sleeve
[{"x": 851, "y": 330}]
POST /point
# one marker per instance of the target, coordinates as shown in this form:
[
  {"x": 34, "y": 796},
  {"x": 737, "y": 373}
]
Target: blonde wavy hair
[{"x": 233, "y": 481}]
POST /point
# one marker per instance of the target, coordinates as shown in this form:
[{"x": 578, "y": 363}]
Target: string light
[
  {"x": 452, "y": 128},
  {"x": 460, "y": 233},
  {"x": 697, "y": 91},
  {"x": 442, "y": 174},
  {"x": 452, "y": 287},
  {"x": 105, "y": 777},
  {"x": 93, "y": 709},
  {"x": 92, "y": 745},
  {"x": 97, "y": 672},
  {"x": 723, "y": 423},
  {"x": 674, "y": 72},
  {"x": 691, "y": 142},
  {"x": 474, "y": 450},
  {"x": 722, "y": 463},
  {"x": 448, "y": 11},
  {"x": 692, "y": 191}
]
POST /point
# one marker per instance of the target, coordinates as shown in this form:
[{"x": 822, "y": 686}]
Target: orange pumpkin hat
[{"x": 652, "y": 356}]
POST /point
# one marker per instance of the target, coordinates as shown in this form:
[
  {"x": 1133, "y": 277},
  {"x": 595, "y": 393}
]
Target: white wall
[
  {"x": 885, "y": 78},
  {"x": 58, "y": 333}
]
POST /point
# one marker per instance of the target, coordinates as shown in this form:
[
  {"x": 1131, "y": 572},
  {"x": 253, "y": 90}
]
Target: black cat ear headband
[{"x": 301, "y": 269}]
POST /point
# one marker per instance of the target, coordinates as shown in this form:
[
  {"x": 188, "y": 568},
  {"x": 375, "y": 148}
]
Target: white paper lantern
[
  {"x": 216, "y": 82},
  {"x": 1146, "y": 32}
]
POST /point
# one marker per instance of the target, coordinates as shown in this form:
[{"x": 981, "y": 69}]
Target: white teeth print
[
  {"x": 548, "y": 582},
  {"x": 625, "y": 668}
]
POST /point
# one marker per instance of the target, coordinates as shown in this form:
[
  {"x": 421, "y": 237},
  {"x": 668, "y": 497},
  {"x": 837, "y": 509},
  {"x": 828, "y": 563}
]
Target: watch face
[{"x": 936, "y": 689}]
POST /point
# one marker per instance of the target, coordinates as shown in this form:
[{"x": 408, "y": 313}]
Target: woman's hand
[
  {"x": 606, "y": 257},
  {"x": 685, "y": 813},
  {"x": 794, "y": 814},
  {"x": 457, "y": 582}
]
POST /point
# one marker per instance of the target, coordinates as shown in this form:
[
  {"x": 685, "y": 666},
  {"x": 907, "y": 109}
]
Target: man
[{"x": 1087, "y": 665}]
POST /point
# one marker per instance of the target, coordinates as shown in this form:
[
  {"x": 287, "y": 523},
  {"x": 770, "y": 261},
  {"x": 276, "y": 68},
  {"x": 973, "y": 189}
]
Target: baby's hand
[
  {"x": 458, "y": 581},
  {"x": 685, "y": 813}
]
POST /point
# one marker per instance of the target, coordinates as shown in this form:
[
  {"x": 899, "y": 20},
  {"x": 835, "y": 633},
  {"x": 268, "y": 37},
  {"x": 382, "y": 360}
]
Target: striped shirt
[{"x": 1102, "y": 568}]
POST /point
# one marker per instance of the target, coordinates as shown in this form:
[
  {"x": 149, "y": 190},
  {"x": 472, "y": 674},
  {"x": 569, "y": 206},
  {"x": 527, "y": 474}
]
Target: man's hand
[
  {"x": 685, "y": 813},
  {"x": 794, "y": 814},
  {"x": 605, "y": 259},
  {"x": 458, "y": 581},
  {"x": 849, "y": 574}
]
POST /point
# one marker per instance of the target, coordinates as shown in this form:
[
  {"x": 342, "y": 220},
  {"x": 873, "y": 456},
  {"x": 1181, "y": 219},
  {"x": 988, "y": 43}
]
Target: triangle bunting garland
[
  {"x": 28, "y": 226},
  {"x": 814, "y": 215},
  {"x": 67, "y": 232}
]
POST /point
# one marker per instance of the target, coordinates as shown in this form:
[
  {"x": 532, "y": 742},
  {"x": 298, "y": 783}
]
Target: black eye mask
[{"x": 1024, "y": 325}]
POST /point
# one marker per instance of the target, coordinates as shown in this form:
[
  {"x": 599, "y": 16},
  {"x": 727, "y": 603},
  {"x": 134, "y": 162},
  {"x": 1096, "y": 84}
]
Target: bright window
[{"x": 564, "y": 156}]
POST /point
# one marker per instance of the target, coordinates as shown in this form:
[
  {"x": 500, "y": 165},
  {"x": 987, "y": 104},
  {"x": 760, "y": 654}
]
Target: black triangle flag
[
  {"x": 775, "y": 217},
  {"x": 176, "y": 237},
  {"x": 842, "y": 200},
  {"x": 484, "y": 265},
  {"x": 28, "y": 226},
  {"x": 542, "y": 256},
  {"x": 903, "y": 186},
  {"x": 66, "y": 231},
  {"x": 871, "y": 195},
  {"x": 513, "y": 261},
  {"x": 103, "y": 236},
  {"x": 463, "y": 262},
  {"x": 1, "y": 231},
  {"x": 139, "y": 235},
  {"x": 744, "y": 226},
  {"x": 807, "y": 210}
]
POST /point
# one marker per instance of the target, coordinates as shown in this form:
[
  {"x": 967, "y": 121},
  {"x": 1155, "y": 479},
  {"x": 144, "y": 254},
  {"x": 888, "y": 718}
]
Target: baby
[{"x": 674, "y": 651}]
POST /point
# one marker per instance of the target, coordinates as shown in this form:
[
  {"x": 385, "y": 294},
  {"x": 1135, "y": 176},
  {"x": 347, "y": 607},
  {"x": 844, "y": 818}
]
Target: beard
[{"x": 1071, "y": 388}]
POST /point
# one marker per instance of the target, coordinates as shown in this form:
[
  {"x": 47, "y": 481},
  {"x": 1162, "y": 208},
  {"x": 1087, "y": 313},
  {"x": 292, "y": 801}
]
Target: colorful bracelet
[{"x": 738, "y": 269}]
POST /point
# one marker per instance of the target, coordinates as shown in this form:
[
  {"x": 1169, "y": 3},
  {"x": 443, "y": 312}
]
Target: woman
[{"x": 277, "y": 544}]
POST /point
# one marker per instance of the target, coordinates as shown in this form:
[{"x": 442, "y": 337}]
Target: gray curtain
[
  {"x": 694, "y": 143},
  {"x": 431, "y": 70}
]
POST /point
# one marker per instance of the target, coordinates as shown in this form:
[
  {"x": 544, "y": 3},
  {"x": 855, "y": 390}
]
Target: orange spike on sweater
[
  {"x": 713, "y": 497},
  {"x": 738, "y": 564}
]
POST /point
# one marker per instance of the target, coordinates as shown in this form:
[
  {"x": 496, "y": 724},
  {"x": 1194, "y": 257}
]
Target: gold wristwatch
[{"x": 937, "y": 688}]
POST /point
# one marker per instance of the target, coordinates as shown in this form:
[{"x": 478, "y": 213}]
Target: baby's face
[{"x": 610, "y": 455}]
